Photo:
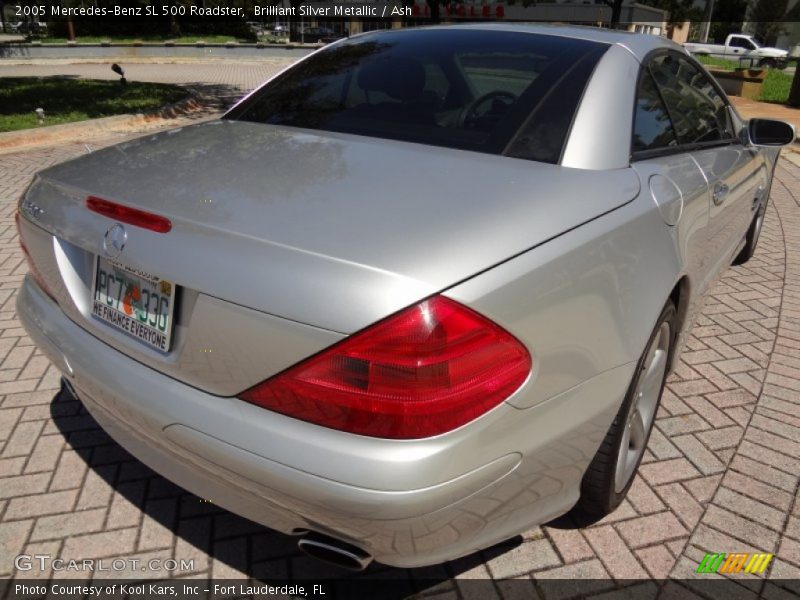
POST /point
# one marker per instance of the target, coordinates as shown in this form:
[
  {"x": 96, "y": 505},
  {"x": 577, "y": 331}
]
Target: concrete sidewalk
[{"x": 749, "y": 109}]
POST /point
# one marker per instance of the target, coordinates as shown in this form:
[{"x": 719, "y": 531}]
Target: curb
[{"x": 25, "y": 138}]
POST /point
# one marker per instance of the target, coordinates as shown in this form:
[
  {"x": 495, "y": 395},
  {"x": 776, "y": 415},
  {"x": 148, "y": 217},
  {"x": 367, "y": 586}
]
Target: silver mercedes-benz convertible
[{"x": 414, "y": 295}]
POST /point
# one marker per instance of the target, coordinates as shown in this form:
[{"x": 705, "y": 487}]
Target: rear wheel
[{"x": 611, "y": 472}]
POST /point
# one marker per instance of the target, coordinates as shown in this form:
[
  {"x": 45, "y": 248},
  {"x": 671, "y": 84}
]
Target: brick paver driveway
[{"x": 721, "y": 473}]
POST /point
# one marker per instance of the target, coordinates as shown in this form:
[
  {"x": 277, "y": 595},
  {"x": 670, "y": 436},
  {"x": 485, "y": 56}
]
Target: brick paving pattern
[{"x": 721, "y": 472}]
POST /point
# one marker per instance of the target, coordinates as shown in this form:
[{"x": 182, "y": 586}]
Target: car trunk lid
[{"x": 332, "y": 231}]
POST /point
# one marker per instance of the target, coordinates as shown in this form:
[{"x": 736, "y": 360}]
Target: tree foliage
[
  {"x": 728, "y": 18},
  {"x": 678, "y": 11},
  {"x": 768, "y": 16}
]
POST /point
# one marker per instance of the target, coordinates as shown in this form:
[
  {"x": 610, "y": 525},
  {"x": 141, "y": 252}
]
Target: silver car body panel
[
  {"x": 589, "y": 281},
  {"x": 284, "y": 235},
  {"x": 217, "y": 346},
  {"x": 599, "y": 123},
  {"x": 378, "y": 260},
  {"x": 295, "y": 476},
  {"x": 371, "y": 266},
  {"x": 742, "y": 172}
]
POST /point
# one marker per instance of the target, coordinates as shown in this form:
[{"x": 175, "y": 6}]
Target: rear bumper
[{"x": 526, "y": 465}]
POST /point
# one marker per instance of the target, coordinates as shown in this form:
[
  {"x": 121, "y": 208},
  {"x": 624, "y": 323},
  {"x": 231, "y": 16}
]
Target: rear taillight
[
  {"x": 421, "y": 372},
  {"x": 126, "y": 214},
  {"x": 32, "y": 270}
]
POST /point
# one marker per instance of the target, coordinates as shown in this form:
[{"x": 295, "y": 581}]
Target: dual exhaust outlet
[{"x": 334, "y": 552}]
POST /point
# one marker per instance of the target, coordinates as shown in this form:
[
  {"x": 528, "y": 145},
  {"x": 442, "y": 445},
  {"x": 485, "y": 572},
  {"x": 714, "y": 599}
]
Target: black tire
[
  {"x": 767, "y": 63},
  {"x": 751, "y": 238},
  {"x": 599, "y": 495}
]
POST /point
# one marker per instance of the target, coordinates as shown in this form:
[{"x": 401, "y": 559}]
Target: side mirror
[{"x": 769, "y": 132}]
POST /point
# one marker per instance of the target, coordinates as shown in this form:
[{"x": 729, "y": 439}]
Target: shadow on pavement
[
  {"x": 574, "y": 520},
  {"x": 215, "y": 97}
]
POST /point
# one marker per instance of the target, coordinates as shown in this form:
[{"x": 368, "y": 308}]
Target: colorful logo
[
  {"x": 132, "y": 296},
  {"x": 735, "y": 562}
]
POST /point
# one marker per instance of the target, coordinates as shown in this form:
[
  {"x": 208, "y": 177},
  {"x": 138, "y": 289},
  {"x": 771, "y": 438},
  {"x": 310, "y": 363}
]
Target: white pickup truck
[{"x": 740, "y": 45}]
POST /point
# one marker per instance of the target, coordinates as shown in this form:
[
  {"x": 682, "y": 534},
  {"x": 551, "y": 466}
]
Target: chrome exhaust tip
[{"x": 334, "y": 552}]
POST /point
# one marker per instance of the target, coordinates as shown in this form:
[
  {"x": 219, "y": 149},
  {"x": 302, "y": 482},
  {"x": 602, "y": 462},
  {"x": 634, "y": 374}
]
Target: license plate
[{"x": 138, "y": 303}]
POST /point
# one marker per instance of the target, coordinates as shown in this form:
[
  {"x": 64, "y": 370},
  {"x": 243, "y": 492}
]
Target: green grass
[
  {"x": 776, "y": 87},
  {"x": 158, "y": 39},
  {"x": 66, "y": 100},
  {"x": 719, "y": 63}
]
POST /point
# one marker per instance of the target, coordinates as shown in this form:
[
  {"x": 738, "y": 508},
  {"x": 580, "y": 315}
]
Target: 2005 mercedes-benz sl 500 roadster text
[{"x": 417, "y": 293}]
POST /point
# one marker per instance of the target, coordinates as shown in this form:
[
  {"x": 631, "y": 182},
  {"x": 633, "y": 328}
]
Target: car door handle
[{"x": 720, "y": 191}]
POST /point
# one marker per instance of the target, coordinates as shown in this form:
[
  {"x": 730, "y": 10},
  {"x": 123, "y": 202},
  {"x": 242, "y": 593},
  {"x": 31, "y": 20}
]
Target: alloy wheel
[{"x": 642, "y": 410}]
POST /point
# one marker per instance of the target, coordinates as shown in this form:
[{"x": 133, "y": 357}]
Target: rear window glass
[{"x": 460, "y": 88}]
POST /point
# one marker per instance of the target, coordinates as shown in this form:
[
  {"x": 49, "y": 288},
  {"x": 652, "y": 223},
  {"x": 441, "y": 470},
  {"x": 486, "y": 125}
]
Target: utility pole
[
  {"x": 616, "y": 11},
  {"x": 794, "y": 91},
  {"x": 706, "y": 24}
]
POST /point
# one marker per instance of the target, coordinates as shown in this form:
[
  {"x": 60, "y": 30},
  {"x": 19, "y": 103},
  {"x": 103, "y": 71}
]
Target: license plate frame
[{"x": 110, "y": 304}]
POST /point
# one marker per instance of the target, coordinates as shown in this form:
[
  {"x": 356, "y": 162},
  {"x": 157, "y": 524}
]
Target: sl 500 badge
[{"x": 34, "y": 211}]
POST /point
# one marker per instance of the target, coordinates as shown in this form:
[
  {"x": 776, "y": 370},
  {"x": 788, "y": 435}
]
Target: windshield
[{"x": 491, "y": 91}]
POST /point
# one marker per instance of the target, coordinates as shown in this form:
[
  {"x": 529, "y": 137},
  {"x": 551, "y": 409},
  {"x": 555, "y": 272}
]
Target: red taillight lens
[
  {"x": 423, "y": 371},
  {"x": 34, "y": 272},
  {"x": 126, "y": 214}
]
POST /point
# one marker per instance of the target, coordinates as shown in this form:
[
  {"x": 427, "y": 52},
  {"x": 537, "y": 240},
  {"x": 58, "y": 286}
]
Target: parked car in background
[
  {"x": 740, "y": 46},
  {"x": 322, "y": 35},
  {"x": 29, "y": 27},
  {"x": 256, "y": 27},
  {"x": 413, "y": 296},
  {"x": 278, "y": 31}
]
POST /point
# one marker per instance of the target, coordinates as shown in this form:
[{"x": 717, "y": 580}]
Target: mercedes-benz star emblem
[{"x": 114, "y": 240}]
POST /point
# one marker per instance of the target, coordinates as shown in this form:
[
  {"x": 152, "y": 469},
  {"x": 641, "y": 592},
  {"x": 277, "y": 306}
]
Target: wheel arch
[{"x": 680, "y": 296}]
